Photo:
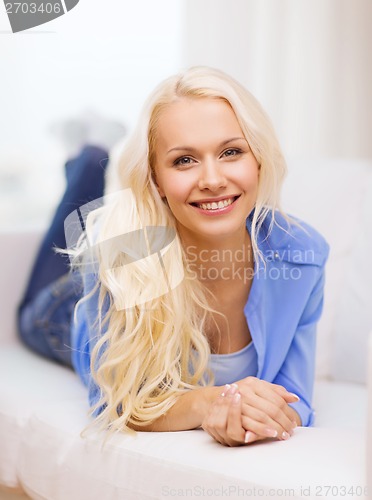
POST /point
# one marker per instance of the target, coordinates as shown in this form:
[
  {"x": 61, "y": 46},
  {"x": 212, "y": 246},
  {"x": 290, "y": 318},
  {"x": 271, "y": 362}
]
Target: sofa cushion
[
  {"x": 17, "y": 252},
  {"x": 44, "y": 408},
  {"x": 331, "y": 410},
  {"x": 353, "y": 320},
  {"x": 159, "y": 465},
  {"x": 330, "y": 195},
  {"x": 28, "y": 382}
]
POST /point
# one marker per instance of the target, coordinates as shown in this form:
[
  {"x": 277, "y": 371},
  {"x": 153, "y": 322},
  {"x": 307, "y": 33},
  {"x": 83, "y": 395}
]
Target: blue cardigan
[{"x": 283, "y": 308}]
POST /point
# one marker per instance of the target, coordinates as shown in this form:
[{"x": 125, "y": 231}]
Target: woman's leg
[
  {"x": 44, "y": 314},
  {"x": 85, "y": 182}
]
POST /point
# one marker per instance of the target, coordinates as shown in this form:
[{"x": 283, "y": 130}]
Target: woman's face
[{"x": 205, "y": 169}]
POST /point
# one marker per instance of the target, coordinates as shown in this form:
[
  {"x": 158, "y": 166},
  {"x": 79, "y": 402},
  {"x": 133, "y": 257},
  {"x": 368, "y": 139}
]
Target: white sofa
[{"x": 43, "y": 406}]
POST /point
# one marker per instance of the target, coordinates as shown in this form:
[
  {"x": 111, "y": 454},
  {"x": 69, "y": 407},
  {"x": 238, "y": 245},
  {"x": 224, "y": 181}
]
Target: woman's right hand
[
  {"x": 265, "y": 409},
  {"x": 248, "y": 411}
]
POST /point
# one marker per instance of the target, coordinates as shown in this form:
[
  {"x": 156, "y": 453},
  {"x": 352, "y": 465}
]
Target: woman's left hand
[{"x": 224, "y": 419}]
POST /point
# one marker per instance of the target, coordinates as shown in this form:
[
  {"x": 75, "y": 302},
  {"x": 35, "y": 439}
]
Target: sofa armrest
[{"x": 17, "y": 253}]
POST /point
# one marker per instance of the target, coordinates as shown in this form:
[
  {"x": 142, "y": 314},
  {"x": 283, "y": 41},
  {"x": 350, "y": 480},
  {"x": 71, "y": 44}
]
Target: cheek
[
  {"x": 175, "y": 187},
  {"x": 249, "y": 176},
  {"x": 176, "y": 191}
]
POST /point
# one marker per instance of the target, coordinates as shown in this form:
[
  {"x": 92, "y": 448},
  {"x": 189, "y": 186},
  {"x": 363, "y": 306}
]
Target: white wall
[
  {"x": 102, "y": 55},
  {"x": 307, "y": 61}
]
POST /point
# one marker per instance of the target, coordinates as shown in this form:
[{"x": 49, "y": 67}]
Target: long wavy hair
[{"x": 150, "y": 344}]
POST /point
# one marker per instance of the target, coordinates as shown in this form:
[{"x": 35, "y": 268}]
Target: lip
[
  {"x": 211, "y": 200},
  {"x": 217, "y": 211}
]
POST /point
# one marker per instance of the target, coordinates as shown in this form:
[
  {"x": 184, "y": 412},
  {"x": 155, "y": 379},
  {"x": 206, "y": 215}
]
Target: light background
[{"x": 307, "y": 61}]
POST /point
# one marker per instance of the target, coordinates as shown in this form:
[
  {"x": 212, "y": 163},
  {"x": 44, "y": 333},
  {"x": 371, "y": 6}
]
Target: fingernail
[
  {"x": 226, "y": 389},
  {"x": 294, "y": 395},
  {"x": 233, "y": 389},
  {"x": 236, "y": 398},
  {"x": 271, "y": 433},
  {"x": 294, "y": 424},
  {"x": 248, "y": 437},
  {"x": 285, "y": 435}
]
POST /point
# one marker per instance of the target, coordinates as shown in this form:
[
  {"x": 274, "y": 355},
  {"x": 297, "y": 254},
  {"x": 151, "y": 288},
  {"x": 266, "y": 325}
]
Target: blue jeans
[{"x": 45, "y": 312}]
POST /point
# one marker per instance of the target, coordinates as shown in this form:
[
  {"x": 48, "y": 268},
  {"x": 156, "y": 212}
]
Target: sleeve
[
  {"x": 89, "y": 333},
  {"x": 298, "y": 370}
]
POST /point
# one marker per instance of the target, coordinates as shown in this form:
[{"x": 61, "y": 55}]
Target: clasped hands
[{"x": 251, "y": 410}]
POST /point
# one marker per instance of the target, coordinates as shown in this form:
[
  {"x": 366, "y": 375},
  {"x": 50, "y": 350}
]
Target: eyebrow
[{"x": 187, "y": 148}]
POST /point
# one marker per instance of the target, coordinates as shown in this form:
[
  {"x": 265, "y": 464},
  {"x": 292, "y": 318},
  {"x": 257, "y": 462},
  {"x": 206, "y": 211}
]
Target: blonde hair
[{"x": 155, "y": 349}]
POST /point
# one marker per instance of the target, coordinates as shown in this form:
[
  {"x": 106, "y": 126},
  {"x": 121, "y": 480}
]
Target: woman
[{"x": 201, "y": 297}]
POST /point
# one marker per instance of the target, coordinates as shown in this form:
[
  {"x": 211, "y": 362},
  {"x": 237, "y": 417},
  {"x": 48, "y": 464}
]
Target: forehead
[{"x": 192, "y": 121}]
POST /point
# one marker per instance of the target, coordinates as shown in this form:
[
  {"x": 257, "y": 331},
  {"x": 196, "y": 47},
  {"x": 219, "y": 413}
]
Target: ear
[{"x": 160, "y": 191}]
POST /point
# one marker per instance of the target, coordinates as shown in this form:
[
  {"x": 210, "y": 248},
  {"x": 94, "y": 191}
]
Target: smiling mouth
[{"x": 215, "y": 205}]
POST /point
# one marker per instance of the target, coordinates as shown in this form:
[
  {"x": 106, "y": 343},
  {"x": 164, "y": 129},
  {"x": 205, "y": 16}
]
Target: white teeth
[{"x": 216, "y": 205}]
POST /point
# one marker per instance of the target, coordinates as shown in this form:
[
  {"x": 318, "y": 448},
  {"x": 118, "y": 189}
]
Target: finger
[
  {"x": 274, "y": 391},
  {"x": 251, "y": 437},
  {"x": 279, "y": 389},
  {"x": 263, "y": 431},
  {"x": 290, "y": 397},
  {"x": 227, "y": 424},
  {"x": 235, "y": 433},
  {"x": 230, "y": 429},
  {"x": 270, "y": 408},
  {"x": 215, "y": 422},
  {"x": 273, "y": 422},
  {"x": 273, "y": 405}
]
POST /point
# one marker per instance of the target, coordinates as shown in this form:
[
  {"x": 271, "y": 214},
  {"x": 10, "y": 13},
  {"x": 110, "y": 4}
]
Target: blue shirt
[
  {"x": 228, "y": 368},
  {"x": 284, "y": 305}
]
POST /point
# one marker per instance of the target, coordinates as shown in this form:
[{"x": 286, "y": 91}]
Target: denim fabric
[
  {"x": 44, "y": 323},
  {"x": 85, "y": 183},
  {"x": 45, "y": 312}
]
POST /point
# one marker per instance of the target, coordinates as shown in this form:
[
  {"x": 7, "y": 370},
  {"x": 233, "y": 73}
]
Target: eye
[
  {"x": 232, "y": 152},
  {"x": 180, "y": 161}
]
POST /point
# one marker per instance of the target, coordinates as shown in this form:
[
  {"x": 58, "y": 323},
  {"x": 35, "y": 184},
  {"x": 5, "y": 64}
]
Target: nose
[{"x": 211, "y": 177}]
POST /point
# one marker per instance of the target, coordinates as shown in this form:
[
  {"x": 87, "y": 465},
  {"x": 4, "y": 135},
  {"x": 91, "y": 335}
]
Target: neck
[{"x": 218, "y": 259}]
